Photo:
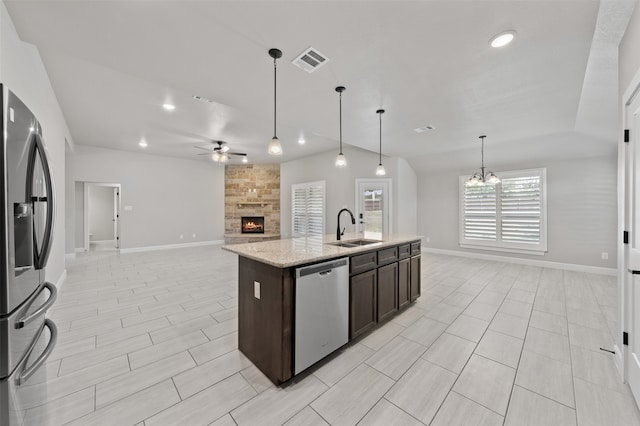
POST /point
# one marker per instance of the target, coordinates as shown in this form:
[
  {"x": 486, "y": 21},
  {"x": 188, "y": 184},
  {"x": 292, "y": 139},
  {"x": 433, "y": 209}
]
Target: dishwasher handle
[{"x": 322, "y": 269}]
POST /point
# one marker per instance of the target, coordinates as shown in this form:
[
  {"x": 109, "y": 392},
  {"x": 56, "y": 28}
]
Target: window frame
[
  {"x": 498, "y": 245},
  {"x": 307, "y": 185}
]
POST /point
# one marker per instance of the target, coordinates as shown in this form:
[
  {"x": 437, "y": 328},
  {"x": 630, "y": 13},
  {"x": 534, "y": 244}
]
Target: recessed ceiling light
[
  {"x": 143, "y": 143},
  {"x": 301, "y": 141},
  {"x": 502, "y": 39},
  {"x": 169, "y": 107},
  {"x": 424, "y": 128}
]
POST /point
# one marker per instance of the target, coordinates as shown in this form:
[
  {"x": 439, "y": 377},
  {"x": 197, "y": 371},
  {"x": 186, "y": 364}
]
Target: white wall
[
  {"x": 340, "y": 186},
  {"x": 101, "y": 212},
  {"x": 22, "y": 71},
  {"x": 168, "y": 196},
  {"x": 581, "y": 211},
  {"x": 78, "y": 235}
]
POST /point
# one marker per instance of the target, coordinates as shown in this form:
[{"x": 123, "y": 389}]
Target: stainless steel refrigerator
[{"x": 27, "y": 213}]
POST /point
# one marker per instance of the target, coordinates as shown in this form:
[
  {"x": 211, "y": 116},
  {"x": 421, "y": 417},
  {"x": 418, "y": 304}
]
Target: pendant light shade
[
  {"x": 341, "y": 160},
  {"x": 380, "y": 171},
  {"x": 480, "y": 178},
  {"x": 275, "y": 148}
]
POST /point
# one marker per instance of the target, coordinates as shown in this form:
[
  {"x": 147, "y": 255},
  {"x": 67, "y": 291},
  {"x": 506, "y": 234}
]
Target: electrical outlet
[
  {"x": 605, "y": 255},
  {"x": 181, "y": 236},
  {"x": 256, "y": 289}
]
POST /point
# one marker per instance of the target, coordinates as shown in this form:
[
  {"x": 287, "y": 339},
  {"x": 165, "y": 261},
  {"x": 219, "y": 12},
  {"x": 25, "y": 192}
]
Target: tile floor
[{"x": 151, "y": 338}]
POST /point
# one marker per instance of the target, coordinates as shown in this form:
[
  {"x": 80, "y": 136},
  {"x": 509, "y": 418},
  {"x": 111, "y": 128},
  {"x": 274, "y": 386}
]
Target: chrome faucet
[{"x": 353, "y": 221}]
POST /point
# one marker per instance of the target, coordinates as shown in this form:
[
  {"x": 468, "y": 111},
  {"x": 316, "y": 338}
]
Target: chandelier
[{"x": 481, "y": 178}]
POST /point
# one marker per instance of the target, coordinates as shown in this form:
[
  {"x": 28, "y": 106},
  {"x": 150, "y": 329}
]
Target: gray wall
[
  {"x": 340, "y": 186},
  {"x": 167, "y": 196},
  {"x": 78, "y": 227},
  {"x": 581, "y": 211},
  {"x": 22, "y": 71},
  {"x": 101, "y": 213},
  {"x": 629, "y": 58}
]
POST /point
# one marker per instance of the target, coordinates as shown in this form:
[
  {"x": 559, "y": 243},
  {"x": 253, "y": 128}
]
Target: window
[
  {"x": 307, "y": 211},
  {"x": 510, "y": 216}
]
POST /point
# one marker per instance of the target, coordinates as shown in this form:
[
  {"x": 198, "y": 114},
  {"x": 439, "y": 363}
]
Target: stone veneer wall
[{"x": 258, "y": 183}]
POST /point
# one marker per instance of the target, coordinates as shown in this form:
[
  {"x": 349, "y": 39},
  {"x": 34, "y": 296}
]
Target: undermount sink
[{"x": 354, "y": 243}]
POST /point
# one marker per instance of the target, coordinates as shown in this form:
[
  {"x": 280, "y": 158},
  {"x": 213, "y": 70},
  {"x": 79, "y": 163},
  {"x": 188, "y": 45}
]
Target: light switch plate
[{"x": 256, "y": 289}]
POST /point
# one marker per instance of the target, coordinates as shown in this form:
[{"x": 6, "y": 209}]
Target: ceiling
[{"x": 113, "y": 64}]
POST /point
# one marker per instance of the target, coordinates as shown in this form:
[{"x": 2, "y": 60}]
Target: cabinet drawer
[
  {"x": 363, "y": 262},
  {"x": 415, "y": 249},
  {"x": 386, "y": 256},
  {"x": 404, "y": 251}
]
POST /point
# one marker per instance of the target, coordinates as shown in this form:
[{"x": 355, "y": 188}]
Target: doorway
[
  {"x": 99, "y": 205},
  {"x": 373, "y": 207}
]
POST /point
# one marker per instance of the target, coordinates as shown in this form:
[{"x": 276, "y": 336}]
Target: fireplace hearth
[{"x": 252, "y": 224}]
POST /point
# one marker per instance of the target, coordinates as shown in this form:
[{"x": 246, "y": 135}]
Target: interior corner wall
[
  {"x": 161, "y": 197},
  {"x": 22, "y": 71},
  {"x": 406, "y": 198},
  {"x": 341, "y": 187},
  {"x": 581, "y": 211},
  {"x": 628, "y": 57}
]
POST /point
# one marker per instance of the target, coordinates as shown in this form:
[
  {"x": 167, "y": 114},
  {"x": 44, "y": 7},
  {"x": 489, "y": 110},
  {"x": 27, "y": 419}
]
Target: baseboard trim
[
  {"x": 170, "y": 246},
  {"x": 531, "y": 262},
  {"x": 61, "y": 280}
]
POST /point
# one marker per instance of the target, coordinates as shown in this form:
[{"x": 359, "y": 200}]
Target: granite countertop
[{"x": 301, "y": 251}]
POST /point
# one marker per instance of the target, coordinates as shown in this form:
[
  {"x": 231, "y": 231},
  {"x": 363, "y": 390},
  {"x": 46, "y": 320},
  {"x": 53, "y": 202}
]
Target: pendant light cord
[
  {"x": 275, "y": 82},
  {"x": 340, "y": 122},
  {"x": 380, "y": 152}
]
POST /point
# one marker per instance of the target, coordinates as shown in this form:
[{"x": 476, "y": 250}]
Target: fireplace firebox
[{"x": 253, "y": 224}]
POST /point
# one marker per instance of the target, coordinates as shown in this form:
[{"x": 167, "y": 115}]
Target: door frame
[
  {"x": 624, "y": 279},
  {"x": 87, "y": 206},
  {"x": 388, "y": 182}
]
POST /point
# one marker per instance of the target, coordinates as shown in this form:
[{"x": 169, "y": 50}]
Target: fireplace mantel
[{"x": 253, "y": 203}]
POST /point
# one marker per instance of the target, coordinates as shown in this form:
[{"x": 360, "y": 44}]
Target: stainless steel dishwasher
[{"x": 322, "y": 311}]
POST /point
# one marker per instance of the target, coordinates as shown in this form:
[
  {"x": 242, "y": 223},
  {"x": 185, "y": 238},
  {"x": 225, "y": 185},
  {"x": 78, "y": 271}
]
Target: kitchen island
[{"x": 383, "y": 278}]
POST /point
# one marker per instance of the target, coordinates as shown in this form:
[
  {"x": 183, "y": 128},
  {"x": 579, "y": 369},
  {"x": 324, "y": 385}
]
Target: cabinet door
[
  {"x": 387, "y": 291},
  {"x": 404, "y": 283},
  {"x": 415, "y": 278},
  {"x": 362, "y": 300}
]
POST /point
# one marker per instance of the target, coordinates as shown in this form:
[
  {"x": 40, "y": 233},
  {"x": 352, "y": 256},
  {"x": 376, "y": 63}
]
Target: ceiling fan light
[
  {"x": 224, "y": 158},
  {"x": 245, "y": 160},
  {"x": 341, "y": 160},
  {"x": 274, "y": 147},
  {"x": 380, "y": 171},
  {"x": 215, "y": 157}
]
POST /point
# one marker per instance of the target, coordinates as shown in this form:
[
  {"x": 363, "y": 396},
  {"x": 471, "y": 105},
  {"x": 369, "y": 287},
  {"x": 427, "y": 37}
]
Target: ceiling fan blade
[
  {"x": 242, "y": 154},
  {"x": 205, "y": 148}
]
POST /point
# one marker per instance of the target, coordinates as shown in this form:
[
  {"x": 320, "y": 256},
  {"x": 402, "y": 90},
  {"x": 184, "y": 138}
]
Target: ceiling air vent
[{"x": 310, "y": 60}]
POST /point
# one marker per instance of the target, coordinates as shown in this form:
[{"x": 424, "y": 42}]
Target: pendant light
[
  {"x": 481, "y": 178},
  {"x": 341, "y": 160},
  {"x": 275, "y": 148},
  {"x": 380, "y": 171}
]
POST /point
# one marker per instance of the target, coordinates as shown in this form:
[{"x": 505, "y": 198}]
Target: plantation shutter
[
  {"x": 308, "y": 208},
  {"x": 508, "y": 216},
  {"x": 480, "y": 213},
  {"x": 521, "y": 209}
]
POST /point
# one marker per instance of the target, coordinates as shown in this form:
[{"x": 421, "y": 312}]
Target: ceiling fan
[{"x": 219, "y": 151}]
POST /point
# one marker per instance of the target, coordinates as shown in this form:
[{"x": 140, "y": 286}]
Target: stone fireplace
[{"x": 251, "y": 193}]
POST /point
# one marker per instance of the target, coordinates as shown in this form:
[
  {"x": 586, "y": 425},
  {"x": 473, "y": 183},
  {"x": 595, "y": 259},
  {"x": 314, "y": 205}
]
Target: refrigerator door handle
[
  {"x": 42, "y": 309},
  {"x": 38, "y": 150},
  {"x": 28, "y": 372}
]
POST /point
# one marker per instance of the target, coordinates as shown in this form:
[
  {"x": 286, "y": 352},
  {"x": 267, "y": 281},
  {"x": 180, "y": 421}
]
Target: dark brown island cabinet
[{"x": 382, "y": 282}]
